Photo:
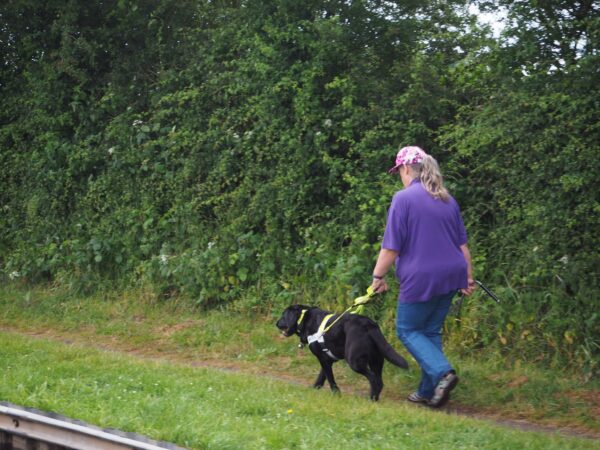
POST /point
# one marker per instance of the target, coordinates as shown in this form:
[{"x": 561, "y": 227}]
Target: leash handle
[
  {"x": 487, "y": 291},
  {"x": 364, "y": 298},
  {"x": 456, "y": 308}
]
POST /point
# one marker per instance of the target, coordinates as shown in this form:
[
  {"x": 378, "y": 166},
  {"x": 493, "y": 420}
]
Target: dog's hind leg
[
  {"x": 376, "y": 365},
  {"x": 375, "y": 382},
  {"x": 373, "y": 376}
]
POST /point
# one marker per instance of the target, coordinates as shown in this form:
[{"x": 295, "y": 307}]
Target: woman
[{"x": 426, "y": 239}]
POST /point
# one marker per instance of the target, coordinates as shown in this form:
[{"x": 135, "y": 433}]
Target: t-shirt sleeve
[{"x": 395, "y": 227}]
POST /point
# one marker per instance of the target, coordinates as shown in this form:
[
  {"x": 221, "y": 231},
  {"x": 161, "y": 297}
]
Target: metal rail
[{"x": 61, "y": 431}]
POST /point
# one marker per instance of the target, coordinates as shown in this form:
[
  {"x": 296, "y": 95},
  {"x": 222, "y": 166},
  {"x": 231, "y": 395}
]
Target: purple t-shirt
[{"x": 427, "y": 234}]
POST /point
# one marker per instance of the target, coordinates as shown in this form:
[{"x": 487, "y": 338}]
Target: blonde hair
[{"x": 431, "y": 177}]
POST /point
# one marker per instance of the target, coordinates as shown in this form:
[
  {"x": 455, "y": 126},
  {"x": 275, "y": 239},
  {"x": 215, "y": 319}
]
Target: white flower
[
  {"x": 163, "y": 258},
  {"x": 14, "y": 275},
  {"x": 210, "y": 245},
  {"x": 111, "y": 150},
  {"x": 137, "y": 122},
  {"x": 564, "y": 259},
  {"x": 318, "y": 133},
  {"x": 328, "y": 123}
]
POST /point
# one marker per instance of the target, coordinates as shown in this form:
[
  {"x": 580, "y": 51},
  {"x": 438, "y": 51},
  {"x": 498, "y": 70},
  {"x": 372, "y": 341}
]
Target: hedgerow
[{"x": 227, "y": 150}]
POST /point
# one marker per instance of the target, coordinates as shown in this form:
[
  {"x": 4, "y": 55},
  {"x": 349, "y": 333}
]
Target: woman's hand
[
  {"x": 379, "y": 285},
  {"x": 469, "y": 290},
  {"x": 385, "y": 259}
]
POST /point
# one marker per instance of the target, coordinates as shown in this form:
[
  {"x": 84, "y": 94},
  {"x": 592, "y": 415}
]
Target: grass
[
  {"x": 136, "y": 323},
  {"x": 203, "y": 408}
]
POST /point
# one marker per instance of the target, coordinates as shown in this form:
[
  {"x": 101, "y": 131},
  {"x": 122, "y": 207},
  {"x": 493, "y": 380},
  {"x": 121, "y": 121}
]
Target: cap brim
[{"x": 394, "y": 169}]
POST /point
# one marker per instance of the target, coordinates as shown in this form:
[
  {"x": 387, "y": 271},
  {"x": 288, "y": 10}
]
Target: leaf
[{"x": 242, "y": 274}]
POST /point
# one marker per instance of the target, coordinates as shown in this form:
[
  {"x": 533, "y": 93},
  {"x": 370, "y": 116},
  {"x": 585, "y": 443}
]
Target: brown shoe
[{"x": 441, "y": 395}]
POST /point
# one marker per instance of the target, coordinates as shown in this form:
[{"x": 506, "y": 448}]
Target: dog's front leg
[
  {"x": 320, "y": 381},
  {"x": 327, "y": 370}
]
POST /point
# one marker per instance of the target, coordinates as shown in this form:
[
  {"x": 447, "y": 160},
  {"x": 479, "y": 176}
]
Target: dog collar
[{"x": 301, "y": 319}]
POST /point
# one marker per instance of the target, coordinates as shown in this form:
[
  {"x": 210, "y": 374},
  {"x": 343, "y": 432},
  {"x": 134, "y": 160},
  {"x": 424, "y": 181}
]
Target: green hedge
[{"x": 220, "y": 150}]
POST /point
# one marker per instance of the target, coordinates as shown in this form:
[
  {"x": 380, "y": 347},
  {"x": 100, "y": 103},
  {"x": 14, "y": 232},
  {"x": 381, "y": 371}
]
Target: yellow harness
[
  {"x": 324, "y": 328},
  {"x": 318, "y": 336}
]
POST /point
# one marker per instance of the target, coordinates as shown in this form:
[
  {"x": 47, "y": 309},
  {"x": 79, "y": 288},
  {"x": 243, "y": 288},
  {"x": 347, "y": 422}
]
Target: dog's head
[{"x": 290, "y": 319}]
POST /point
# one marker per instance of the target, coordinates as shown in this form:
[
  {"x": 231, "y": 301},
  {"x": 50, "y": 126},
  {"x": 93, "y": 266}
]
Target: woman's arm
[
  {"x": 384, "y": 261},
  {"x": 471, "y": 287}
]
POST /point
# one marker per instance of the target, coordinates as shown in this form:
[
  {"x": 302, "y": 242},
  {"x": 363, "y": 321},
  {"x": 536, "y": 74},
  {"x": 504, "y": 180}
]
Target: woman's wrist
[{"x": 377, "y": 277}]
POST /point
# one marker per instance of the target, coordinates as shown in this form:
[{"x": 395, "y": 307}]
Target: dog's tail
[{"x": 386, "y": 349}]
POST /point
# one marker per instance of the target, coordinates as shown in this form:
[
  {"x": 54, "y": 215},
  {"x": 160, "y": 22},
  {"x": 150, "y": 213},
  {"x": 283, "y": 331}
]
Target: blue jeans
[{"x": 419, "y": 327}]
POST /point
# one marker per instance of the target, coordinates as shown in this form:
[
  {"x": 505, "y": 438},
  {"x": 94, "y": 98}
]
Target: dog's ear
[
  {"x": 289, "y": 319},
  {"x": 294, "y": 310},
  {"x": 301, "y": 307}
]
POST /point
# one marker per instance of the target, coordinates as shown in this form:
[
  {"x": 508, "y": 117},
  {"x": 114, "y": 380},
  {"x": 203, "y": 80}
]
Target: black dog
[{"x": 355, "y": 338}]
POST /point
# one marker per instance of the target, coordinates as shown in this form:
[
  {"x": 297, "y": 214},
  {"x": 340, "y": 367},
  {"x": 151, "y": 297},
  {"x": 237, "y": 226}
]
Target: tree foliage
[{"x": 211, "y": 148}]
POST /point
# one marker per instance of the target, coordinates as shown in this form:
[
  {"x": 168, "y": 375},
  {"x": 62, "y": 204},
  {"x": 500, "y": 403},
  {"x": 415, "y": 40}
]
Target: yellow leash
[{"x": 358, "y": 304}]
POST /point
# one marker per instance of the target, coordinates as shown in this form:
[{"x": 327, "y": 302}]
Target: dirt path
[{"x": 255, "y": 370}]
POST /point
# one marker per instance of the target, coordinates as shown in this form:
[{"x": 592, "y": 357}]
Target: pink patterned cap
[{"x": 407, "y": 156}]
